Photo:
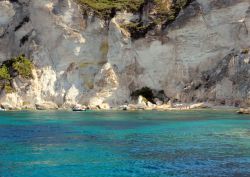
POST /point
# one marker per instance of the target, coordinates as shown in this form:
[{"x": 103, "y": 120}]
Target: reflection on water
[{"x": 124, "y": 144}]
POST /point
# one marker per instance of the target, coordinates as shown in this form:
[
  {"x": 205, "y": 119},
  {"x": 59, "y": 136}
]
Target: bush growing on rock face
[
  {"x": 181, "y": 3},
  {"x": 245, "y": 51},
  {"x": 160, "y": 12},
  {"x": 5, "y": 79},
  {"x": 106, "y": 8},
  {"x": 23, "y": 66},
  {"x": 8, "y": 88},
  {"x": 4, "y": 73},
  {"x": 138, "y": 30},
  {"x": 11, "y": 68}
]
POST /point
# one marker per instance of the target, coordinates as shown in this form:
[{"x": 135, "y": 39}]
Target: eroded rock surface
[{"x": 81, "y": 59}]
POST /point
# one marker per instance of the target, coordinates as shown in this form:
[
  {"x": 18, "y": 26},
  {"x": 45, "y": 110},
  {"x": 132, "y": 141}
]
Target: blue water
[{"x": 107, "y": 144}]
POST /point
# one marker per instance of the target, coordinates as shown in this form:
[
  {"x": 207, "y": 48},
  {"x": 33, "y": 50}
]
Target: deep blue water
[{"x": 119, "y": 144}]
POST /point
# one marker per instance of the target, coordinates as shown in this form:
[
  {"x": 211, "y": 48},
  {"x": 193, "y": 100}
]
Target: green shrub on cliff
[
  {"x": 11, "y": 68},
  {"x": 105, "y": 8},
  {"x": 23, "y": 66},
  {"x": 181, "y": 3},
  {"x": 138, "y": 30},
  {"x": 101, "y": 5},
  {"x": 5, "y": 79},
  {"x": 4, "y": 73},
  {"x": 158, "y": 12},
  {"x": 8, "y": 88}
]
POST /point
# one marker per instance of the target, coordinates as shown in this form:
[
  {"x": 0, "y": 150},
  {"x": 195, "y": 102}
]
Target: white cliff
[{"x": 84, "y": 60}]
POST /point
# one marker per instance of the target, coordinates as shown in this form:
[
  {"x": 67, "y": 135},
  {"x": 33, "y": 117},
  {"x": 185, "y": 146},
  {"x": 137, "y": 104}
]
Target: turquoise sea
[{"x": 124, "y": 144}]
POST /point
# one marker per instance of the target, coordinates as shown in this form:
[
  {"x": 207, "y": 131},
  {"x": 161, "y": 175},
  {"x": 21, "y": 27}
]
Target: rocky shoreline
[
  {"x": 129, "y": 107},
  {"x": 244, "y": 111},
  {"x": 140, "y": 104}
]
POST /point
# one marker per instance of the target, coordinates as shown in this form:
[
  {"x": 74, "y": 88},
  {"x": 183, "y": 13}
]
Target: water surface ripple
[{"x": 124, "y": 144}]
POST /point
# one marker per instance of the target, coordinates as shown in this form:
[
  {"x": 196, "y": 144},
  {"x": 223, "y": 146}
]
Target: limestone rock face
[
  {"x": 6, "y": 13},
  {"x": 81, "y": 59},
  {"x": 142, "y": 101}
]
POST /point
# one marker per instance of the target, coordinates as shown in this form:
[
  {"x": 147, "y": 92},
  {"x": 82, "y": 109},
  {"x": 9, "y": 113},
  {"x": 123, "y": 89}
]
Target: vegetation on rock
[
  {"x": 11, "y": 68},
  {"x": 105, "y": 8},
  {"x": 245, "y": 51},
  {"x": 23, "y": 66},
  {"x": 4, "y": 73},
  {"x": 138, "y": 29},
  {"x": 5, "y": 79},
  {"x": 159, "y": 12}
]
